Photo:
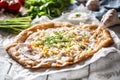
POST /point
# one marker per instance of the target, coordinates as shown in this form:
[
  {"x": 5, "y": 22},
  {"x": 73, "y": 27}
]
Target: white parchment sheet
[{"x": 106, "y": 58}]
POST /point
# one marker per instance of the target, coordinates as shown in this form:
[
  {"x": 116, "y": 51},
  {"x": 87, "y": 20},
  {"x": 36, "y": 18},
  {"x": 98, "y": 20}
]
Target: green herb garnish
[
  {"x": 50, "y": 8},
  {"x": 57, "y": 40},
  {"x": 77, "y": 15},
  {"x": 83, "y": 46}
]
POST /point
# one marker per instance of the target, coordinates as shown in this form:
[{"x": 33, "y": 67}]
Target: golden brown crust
[{"x": 104, "y": 40}]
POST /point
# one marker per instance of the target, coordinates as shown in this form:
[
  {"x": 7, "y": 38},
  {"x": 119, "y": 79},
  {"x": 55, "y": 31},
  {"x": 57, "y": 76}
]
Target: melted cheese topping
[{"x": 56, "y": 43}]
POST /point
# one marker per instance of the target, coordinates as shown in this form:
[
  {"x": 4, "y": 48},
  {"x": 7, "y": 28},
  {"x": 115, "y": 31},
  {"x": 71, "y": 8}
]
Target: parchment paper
[{"x": 20, "y": 73}]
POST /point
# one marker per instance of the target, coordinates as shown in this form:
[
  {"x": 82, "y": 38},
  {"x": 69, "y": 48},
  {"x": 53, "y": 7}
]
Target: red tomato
[
  {"x": 22, "y": 1},
  {"x": 14, "y": 7},
  {"x": 3, "y": 4}
]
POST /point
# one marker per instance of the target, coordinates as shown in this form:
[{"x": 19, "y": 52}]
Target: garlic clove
[
  {"x": 110, "y": 18},
  {"x": 93, "y": 5}
]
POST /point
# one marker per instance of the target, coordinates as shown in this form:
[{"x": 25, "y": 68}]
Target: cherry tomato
[
  {"x": 14, "y": 6},
  {"x": 3, "y": 4},
  {"x": 22, "y": 1},
  {"x": 0, "y": 9}
]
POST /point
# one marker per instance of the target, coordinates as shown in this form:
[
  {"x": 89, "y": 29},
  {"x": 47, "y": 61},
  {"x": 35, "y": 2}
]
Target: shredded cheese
[{"x": 53, "y": 42}]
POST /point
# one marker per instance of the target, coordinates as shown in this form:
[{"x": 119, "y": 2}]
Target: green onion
[
  {"x": 83, "y": 46},
  {"x": 15, "y": 25},
  {"x": 78, "y": 15}
]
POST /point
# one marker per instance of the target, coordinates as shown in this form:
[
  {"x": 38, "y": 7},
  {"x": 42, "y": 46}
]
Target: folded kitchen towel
[{"x": 106, "y": 5}]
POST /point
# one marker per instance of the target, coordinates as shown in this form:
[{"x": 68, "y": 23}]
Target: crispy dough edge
[
  {"x": 107, "y": 42},
  {"x": 34, "y": 65}
]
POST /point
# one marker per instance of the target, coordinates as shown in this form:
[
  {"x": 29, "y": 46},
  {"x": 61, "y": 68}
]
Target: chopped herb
[
  {"x": 58, "y": 35},
  {"x": 77, "y": 15},
  {"x": 48, "y": 55},
  {"x": 71, "y": 54},
  {"x": 84, "y": 35},
  {"x": 82, "y": 46},
  {"x": 57, "y": 40}
]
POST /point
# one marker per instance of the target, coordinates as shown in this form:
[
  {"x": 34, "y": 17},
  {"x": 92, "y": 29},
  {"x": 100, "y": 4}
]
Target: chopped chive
[{"x": 77, "y": 15}]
